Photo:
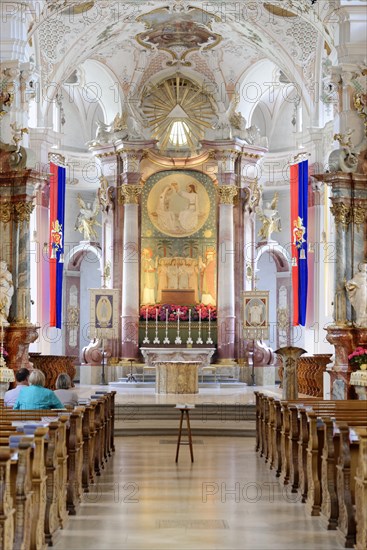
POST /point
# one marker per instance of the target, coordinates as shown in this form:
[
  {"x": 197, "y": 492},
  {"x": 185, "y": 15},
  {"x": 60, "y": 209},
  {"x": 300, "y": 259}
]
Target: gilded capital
[
  {"x": 341, "y": 213},
  {"x": 6, "y": 209},
  {"x": 359, "y": 215},
  {"x": 23, "y": 211},
  {"x": 227, "y": 194},
  {"x": 129, "y": 194}
]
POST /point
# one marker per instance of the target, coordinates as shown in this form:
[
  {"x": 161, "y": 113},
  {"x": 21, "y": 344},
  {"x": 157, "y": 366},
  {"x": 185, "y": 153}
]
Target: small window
[{"x": 179, "y": 133}]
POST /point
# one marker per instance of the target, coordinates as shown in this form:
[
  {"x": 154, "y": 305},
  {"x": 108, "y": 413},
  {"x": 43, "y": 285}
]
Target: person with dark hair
[
  {"x": 36, "y": 396},
  {"x": 21, "y": 378},
  {"x": 64, "y": 392}
]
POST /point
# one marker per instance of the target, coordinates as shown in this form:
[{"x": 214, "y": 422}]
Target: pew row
[
  {"x": 48, "y": 458},
  {"x": 318, "y": 448}
]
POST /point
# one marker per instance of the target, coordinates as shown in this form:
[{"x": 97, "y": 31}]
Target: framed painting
[
  {"x": 104, "y": 313},
  {"x": 256, "y": 314}
]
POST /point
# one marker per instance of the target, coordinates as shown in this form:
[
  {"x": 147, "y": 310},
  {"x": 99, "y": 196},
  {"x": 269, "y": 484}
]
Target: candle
[{"x": 166, "y": 318}]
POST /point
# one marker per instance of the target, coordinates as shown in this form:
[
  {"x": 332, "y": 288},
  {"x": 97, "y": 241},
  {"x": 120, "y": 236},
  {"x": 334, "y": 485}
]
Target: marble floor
[
  {"x": 241, "y": 394},
  {"x": 227, "y": 499}
]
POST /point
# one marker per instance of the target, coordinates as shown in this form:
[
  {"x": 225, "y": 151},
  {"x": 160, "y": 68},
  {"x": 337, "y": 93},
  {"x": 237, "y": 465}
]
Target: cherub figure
[
  {"x": 86, "y": 220},
  {"x": 269, "y": 216}
]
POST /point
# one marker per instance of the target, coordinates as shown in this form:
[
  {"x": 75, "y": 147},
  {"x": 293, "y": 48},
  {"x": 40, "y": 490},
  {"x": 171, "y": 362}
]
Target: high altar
[{"x": 181, "y": 225}]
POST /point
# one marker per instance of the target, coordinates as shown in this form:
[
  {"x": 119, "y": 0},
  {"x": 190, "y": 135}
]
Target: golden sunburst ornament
[{"x": 178, "y": 111}]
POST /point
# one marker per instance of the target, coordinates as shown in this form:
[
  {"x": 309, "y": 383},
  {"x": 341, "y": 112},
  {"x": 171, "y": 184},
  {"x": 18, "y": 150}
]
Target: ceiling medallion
[
  {"x": 279, "y": 10},
  {"x": 178, "y": 99},
  {"x": 178, "y": 33}
]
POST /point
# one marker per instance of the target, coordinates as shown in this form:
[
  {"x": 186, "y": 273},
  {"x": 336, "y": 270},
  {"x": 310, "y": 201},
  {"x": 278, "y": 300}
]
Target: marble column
[
  {"x": 226, "y": 263},
  {"x": 130, "y": 282}
]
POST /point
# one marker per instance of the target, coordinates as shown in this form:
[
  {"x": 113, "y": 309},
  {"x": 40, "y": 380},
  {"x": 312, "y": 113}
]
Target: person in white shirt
[
  {"x": 11, "y": 396},
  {"x": 67, "y": 396}
]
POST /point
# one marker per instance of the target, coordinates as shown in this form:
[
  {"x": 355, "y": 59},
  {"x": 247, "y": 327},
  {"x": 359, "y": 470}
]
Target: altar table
[{"x": 176, "y": 376}]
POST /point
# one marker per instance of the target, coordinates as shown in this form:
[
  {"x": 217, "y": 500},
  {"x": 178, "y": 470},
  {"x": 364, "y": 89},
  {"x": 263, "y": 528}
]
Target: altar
[
  {"x": 201, "y": 355},
  {"x": 177, "y": 376}
]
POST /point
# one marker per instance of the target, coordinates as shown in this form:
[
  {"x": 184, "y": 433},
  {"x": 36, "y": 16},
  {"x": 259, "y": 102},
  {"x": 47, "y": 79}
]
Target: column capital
[
  {"x": 129, "y": 194},
  {"x": 226, "y": 194},
  {"x": 341, "y": 212}
]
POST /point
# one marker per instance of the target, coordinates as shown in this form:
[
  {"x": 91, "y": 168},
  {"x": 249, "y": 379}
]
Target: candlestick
[
  {"x": 209, "y": 339},
  {"x": 166, "y": 339},
  {"x": 146, "y": 339},
  {"x": 199, "y": 339},
  {"x": 178, "y": 338},
  {"x": 156, "y": 339},
  {"x": 189, "y": 340}
]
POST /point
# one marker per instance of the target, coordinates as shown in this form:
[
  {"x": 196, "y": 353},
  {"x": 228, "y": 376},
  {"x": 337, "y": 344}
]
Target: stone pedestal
[
  {"x": 17, "y": 341},
  {"x": 345, "y": 339},
  {"x": 289, "y": 355},
  {"x": 358, "y": 380},
  {"x": 264, "y": 376},
  {"x": 92, "y": 375},
  {"x": 176, "y": 376}
]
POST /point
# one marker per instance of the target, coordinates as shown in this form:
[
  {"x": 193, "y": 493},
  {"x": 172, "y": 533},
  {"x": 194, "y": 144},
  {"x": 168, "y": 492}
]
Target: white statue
[
  {"x": 348, "y": 154},
  {"x": 6, "y": 292},
  {"x": 269, "y": 216},
  {"x": 357, "y": 294},
  {"x": 86, "y": 220}
]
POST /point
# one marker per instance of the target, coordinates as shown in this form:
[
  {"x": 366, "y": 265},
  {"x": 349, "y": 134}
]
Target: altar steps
[{"x": 213, "y": 419}]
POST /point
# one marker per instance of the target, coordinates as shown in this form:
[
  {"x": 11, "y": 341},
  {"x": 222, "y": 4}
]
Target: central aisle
[{"x": 227, "y": 499}]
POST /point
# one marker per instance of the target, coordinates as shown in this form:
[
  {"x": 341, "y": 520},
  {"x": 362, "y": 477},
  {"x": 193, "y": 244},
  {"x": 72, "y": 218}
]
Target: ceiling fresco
[{"x": 136, "y": 38}]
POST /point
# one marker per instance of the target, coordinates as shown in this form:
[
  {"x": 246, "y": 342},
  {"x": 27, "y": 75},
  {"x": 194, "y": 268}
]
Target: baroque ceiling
[{"x": 219, "y": 41}]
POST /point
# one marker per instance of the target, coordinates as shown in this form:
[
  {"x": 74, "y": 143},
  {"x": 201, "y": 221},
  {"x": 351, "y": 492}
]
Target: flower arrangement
[
  {"x": 150, "y": 310},
  {"x": 358, "y": 357}
]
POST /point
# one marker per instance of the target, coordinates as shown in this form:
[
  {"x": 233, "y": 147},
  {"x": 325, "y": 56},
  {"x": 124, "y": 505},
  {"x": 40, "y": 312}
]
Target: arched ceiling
[{"x": 220, "y": 40}]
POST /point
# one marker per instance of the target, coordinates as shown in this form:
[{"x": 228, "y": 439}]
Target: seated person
[
  {"x": 36, "y": 396},
  {"x": 64, "y": 392},
  {"x": 21, "y": 378}
]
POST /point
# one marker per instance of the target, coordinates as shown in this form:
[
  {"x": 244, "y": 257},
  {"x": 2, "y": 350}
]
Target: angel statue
[
  {"x": 86, "y": 220},
  {"x": 269, "y": 216}
]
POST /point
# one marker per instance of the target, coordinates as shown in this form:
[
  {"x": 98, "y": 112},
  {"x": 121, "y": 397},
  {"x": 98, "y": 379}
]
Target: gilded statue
[{"x": 269, "y": 216}]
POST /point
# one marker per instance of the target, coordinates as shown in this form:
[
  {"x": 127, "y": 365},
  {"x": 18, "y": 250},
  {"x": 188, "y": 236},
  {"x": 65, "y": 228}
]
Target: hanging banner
[
  {"x": 57, "y": 217},
  {"x": 104, "y": 313},
  {"x": 299, "y": 221},
  {"x": 256, "y": 314}
]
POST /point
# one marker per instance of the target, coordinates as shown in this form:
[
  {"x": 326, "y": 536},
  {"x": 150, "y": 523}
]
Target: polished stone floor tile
[{"x": 226, "y": 500}]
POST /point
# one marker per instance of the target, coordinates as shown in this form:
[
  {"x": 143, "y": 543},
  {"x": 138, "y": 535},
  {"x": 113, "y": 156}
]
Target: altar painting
[{"x": 179, "y": 246}]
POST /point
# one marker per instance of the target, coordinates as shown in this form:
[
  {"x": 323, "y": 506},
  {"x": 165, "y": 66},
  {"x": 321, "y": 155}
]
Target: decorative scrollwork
[{"x": 23, "y": 211}]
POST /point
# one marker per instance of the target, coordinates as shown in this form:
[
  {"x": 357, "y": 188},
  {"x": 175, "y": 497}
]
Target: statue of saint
[
  {"x": 6, "y": 292},
  {"x": 86, "y": 220},
  {"x": 357, "y": 294}
]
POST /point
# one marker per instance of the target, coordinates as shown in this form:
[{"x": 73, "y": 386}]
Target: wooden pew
[
  {"x": 7, "y": 508},
  {"x": 361, "y": 495},
  {"x": 327, "y": 461}
]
